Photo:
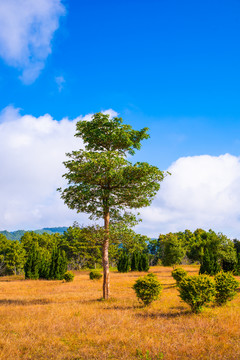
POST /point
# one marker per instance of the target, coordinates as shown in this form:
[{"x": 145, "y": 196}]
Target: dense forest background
[{"x": 80, "y": 248}]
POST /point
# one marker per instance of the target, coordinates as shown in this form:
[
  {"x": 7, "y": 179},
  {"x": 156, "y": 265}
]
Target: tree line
[
  {"x": 213, "y": 251},
  {"x": 80, "y": 247}
]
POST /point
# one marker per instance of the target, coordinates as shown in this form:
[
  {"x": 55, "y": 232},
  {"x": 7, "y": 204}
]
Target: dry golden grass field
[{"x": 68, "y": 321}]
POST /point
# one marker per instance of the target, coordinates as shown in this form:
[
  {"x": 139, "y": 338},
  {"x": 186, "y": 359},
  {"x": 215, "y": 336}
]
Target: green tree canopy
[{"x": 172, "y": 250}]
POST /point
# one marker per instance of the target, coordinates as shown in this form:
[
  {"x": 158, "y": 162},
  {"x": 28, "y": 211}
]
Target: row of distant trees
[
  {"x": 212, "y": 251},
  {"x": 81, "y": 247}
]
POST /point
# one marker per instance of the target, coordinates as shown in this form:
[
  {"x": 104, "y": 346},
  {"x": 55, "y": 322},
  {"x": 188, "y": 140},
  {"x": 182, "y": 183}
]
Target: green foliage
[
  {"x": 143, "y": 264},
  {"x": 45, "y": 257},
  {"x": 43, "y": 241},
  {"x": 148, "y": 356},
  {"x": 58, "y": 264},
  {"x": 41, "y": 264},
  {"x": 172, "y": 250},
  {"x": 147, "y": 288},
  {"x": 102, "y": 182},
  {"x": 124, "y": 262},
  {"x": 237, "y": 266},
  {"x": 135, "y": 261},
  {"x": 153, "y": 250},
  {"x": 44, "y": 264},
  {"x": 107, "y": 143},
  {"x": 133, "y": 242},
  {"x": 82, "y": 246},
  {"x": 226, "y": 287},
  {"x": 209, "y": 263},
  {"x": 95, "y": 275},
  {"x": 68, "y": 276},
  {"x": 14, "y": 257},
  {"x": 178, "y": 274},
  {"x": 236, "y": 243},
  {"x": 31, "y": 267},
  {"x": 139, "y": 262},
  {"x": 228, "y": 255},
  {"x": 197, "y": 291}
]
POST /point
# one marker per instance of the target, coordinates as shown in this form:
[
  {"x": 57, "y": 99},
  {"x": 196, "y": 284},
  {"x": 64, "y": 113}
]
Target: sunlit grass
[{"x": 56, "y": 320}]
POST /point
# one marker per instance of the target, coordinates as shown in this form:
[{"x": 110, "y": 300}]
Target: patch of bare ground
[{"x": 68, "y": 321}]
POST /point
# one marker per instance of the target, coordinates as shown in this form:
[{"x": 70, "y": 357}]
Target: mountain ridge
[{"x": 16, "y": 235}]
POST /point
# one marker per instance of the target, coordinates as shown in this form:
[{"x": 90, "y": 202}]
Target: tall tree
[
  {"x": 172, "y": 250},
  {"x": 102, "y": 182}
]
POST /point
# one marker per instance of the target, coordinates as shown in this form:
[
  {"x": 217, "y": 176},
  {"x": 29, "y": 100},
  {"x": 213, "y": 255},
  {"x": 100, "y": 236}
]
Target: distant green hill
[{"x": 16, "y": 235}]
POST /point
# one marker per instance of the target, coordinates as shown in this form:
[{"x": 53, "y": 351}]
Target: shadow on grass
[
  {"x": 25, "y": 302},
  {"x": 12, "y": 280},
  {"x": 168, "y": 315},
  {"x": 122, "y": 307},
  {"x": 177, "y": 308},
  {"x": 169, "y": 286},
  {"x": 98, "y": 300}
]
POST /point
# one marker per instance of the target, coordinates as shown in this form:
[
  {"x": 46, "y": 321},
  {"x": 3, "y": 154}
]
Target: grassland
[{"x": 68, "y": 321}]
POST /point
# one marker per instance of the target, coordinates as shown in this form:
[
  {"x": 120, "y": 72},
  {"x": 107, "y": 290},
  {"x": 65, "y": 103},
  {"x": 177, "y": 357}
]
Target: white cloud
[
  {"x": 202, "y": 192},
  {"x": 60, "y": 81},
  {"x": 32, "y": 152},
  {"x": 26, "y": 32}
]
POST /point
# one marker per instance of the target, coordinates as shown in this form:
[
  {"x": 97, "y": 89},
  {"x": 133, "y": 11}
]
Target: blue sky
[
  {"x": 169, "y": 65},
  {"x": 172, "y": 66}
]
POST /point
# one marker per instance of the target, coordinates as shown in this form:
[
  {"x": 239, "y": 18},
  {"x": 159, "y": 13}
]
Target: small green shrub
[
  {"x": 147, "y": 288},
  {"x": 178, "y": 274},
  {"x": 95, "y": 275},
  {"x": 68, "y": 276},
  {"x": 197, "y": 291},
  {"x": 226, "y": 286}
]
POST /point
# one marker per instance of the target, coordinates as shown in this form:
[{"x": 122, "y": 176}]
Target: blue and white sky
[{"x": 172, "y": 66}]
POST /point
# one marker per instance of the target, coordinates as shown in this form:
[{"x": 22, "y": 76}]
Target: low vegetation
[
  {"x": 147, "y": 288},
  {"x": 178, "y": 274},
  {"x": 226, "y": 287},
  {"x": 68, "y": 276},
  {"x": 95, "y": 275},
  {"x": 57, "y": 320},
  {"x": 197, "y": 291}
]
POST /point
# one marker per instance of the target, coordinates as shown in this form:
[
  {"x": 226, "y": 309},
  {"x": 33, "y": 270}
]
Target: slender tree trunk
[{"x": 105, "y": 260}]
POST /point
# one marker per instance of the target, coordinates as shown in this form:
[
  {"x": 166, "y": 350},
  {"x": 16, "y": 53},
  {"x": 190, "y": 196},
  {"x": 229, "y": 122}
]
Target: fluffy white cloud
[
  {"x": 26, "y": 31},
  {"x": 32, "y": 152},
  {"x": 202, "y": 192}
]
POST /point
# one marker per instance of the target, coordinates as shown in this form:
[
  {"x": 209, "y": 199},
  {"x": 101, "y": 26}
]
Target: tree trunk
[{"x": 105, "y": 260}]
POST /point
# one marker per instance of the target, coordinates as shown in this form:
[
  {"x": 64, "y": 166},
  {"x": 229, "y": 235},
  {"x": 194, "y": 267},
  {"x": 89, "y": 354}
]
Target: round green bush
[
  {"x": 178, "y": 274},
  {"x": 147, "y": 288},
  {"x": 68, "y": 276},
  {"x": 197, "y": 291},
  {"x": 226, "y": 286},
  {"x": 95, "y": 275}
]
